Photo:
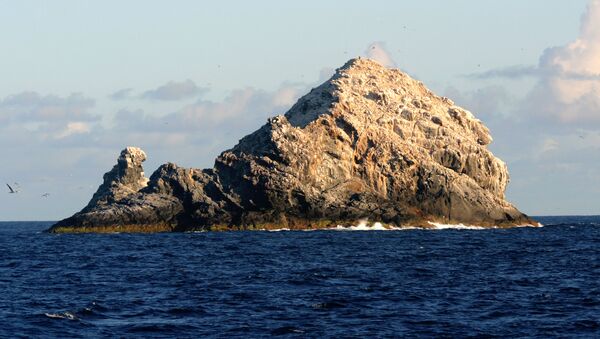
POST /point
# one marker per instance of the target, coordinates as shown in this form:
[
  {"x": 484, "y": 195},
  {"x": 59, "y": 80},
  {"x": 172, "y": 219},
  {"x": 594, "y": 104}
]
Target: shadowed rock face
[{"x": 369, "y": 143}]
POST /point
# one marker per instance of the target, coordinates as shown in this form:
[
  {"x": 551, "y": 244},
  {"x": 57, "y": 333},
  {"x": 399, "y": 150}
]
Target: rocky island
[{"x": 370, "y": 143}]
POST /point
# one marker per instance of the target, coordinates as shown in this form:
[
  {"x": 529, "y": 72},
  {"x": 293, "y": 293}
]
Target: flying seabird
[
  {"x": 11, "y": 189},
  {"x": 45, "y": 195}
]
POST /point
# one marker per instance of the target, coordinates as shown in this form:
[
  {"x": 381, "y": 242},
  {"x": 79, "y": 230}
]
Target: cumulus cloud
[
  {"x": 378, "y": 52},
  {"x": 578, "y": 93},
  {"x": 568, "y": 87},
  {"x": 174, "y": 91}
]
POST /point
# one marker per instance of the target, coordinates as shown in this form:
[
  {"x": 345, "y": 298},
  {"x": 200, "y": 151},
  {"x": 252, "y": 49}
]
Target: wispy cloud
[
  {"x": 511, "y": 72},
  {"x": 33, "y": 107},
  {"x": 242, "y": 109},
  {"x": 520, "y": 71},
  {"x": 121, "y": 94},
  {"x": 174, "y": 91}
]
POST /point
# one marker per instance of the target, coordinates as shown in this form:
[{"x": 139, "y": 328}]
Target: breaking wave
[{"x": 363, "y": 225}]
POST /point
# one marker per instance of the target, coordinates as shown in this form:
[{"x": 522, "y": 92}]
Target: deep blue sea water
[{"x": 524, "y": 282}]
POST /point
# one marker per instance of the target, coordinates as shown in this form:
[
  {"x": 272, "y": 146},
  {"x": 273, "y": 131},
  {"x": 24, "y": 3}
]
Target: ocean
[{"x": 521, "y": 282}]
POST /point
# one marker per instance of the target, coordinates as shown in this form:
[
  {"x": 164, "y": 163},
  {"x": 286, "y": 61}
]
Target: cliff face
[{"x": 370, "y": 143}]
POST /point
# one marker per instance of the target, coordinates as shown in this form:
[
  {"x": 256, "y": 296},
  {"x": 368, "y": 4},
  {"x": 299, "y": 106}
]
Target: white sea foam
[
  {"x": 363, "y": 225},
  {"x": 439, "y": 226},
  {"x": 529, "y": 225},
  {"x": 64, "y": 315}
]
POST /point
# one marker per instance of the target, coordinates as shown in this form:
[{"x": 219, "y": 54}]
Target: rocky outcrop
[
  {"x": 125, "y": 178},
  {"x": 370, "y": 143}
]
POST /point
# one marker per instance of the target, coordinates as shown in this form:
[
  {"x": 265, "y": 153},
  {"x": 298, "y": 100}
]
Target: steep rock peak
[
  {"x": 366, "y": 90},
  {"x": 125, "y": 178}
]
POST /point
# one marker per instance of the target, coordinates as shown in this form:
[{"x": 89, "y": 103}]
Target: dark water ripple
[{"x": 452, "y": 283}]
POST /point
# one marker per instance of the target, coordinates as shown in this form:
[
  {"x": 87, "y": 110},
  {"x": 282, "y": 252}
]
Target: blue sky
[{"x": 185, "y": 80}]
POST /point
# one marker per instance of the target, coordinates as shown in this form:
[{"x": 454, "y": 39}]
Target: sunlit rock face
[{"x": 369, "y": 143}]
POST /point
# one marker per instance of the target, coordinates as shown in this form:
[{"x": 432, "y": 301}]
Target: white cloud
[
  {"x": 379, "y": 53},
  {"x": 579, "y": 97},
  {"x": 568, "y": 87},
  {"x": 31, "y": 106}
]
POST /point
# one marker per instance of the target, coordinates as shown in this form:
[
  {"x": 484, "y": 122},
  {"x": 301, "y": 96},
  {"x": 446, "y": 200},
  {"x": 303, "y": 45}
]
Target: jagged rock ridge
[{"x": 371, "y": 142}]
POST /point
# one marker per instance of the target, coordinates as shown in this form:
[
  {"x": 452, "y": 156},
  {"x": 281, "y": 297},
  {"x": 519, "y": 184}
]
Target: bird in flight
[
  {"x": 11, "y": 190},
  {"x": 45, "y": 195}
]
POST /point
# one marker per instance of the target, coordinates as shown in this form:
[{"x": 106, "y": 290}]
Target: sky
[{"x": 185, "y": 80}]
